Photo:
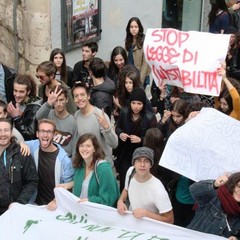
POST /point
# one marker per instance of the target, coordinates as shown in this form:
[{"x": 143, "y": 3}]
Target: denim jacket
[{"x": 209, "y": 216}]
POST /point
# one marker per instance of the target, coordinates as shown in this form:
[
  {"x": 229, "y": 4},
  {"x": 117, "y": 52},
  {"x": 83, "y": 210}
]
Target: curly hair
[{"x": 26, "y": 79}]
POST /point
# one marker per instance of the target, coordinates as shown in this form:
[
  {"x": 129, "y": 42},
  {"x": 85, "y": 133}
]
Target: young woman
[
  {"x": 218, "y": 210},
  {"x": 134, "y": 46},
  {"x": 218, "y": 18},
  {"x": 174, "y": 118},
  {"x": 229, "y": 99},
  {"x": 93, "y": 179},
  {"x": 64, "y": 72},
  {"x": 118, "y": 61},
  {"x": 131, "y": 127}
]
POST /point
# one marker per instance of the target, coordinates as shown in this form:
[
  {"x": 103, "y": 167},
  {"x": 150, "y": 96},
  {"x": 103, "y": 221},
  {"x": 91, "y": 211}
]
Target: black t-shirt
[{"x": 46, "y": 174}]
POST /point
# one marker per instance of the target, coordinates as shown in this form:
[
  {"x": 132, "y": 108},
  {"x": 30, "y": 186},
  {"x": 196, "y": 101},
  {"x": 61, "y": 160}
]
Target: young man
[
  {"x": 55, "y": 109},
  {"x": 18, "y": 175},
  {"x": 147, "y": 195},
  {"x": 80, "y": 69},
  {"x": 25, "y": 106},
  {"x": 91, "y": 119},
  {"x": 103, "y": 87},
  {"x": 46, "y": 72},
  {"x": 4, "y": 114},
  {"x": 52, "y": 162}
]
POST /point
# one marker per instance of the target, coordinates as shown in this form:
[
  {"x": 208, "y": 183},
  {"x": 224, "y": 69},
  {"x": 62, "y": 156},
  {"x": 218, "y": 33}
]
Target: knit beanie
[
  {"x": 138, "y": 94},
  {"x": 143, "y": 152}
]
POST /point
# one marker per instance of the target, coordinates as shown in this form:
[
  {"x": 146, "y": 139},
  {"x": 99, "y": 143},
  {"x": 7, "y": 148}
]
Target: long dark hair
[
  {"x": 131, "y": 72},
  {"x": 78, "y": 161},
  {"x": 233, "y": 180},
  {"x": 154, "y": 139},
  {"x": 129, "y": 37},
  {"x": 63, "y": 70},
  {"x": 113, "y": 69},
  {"x": 180, "y": 106},
  {"x": 226, "y": 95},
  {"x": 219, "y": 5}
]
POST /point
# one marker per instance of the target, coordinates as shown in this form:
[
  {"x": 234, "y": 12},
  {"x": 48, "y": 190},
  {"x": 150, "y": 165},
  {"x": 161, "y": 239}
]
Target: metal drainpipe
[{"x": 15, "y": 32}]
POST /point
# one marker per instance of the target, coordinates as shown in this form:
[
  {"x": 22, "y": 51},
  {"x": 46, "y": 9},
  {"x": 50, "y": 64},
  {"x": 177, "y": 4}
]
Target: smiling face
[
  {"x": 236, "y": 192},
  {"x": 5, "y": 134},
  {"x": 20, "y": 92},
  {"x": 45, "y": 135},
  {"x": 119, "y": 61},
  {"x": 81, "y": 97},
  {"x": 86, "y": 150},
  {"x": 224, "y": 105}
]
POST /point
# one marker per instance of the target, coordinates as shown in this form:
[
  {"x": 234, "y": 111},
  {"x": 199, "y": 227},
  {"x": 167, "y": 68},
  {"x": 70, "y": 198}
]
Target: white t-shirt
[{"x": 150, "y": 195}]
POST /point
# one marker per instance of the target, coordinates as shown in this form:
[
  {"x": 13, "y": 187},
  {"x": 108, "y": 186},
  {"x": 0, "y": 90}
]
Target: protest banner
[
  {"x": 205, "y": 147},
  {"x": 186, "y": 59},
  {"x": 86, "y": 221}
]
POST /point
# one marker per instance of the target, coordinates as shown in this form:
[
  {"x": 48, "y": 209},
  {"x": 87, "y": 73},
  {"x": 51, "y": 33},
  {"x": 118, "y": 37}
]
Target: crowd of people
[{"x": 93, "y": 130}]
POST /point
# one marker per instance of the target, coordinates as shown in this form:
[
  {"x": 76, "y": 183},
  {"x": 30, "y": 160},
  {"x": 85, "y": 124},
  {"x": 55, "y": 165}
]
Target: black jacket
[
  {"x": 102, "y": 95},
  {"x": 26, "y": 124},
  {"x": 10, "y": 75},
  {"x": 22, "y": 177}
]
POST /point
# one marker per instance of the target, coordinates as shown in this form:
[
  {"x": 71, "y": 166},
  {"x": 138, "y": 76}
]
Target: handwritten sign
[
  {"x": 205, "y": 147},
  {"x": 186, "y": 59},
  {"x": 85, "y": 221}
]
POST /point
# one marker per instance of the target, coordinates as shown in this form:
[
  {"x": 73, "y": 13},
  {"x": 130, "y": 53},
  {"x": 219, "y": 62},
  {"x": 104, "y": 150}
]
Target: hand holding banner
[{"x": 186, "y": 59}]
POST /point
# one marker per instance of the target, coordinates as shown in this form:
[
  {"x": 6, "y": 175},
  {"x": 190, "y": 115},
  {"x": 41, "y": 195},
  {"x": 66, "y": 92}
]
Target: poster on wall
[{"x": 81, "y": 22}]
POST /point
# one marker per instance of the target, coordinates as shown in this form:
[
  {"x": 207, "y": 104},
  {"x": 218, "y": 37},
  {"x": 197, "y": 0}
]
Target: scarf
[
  {"x": 130, "y": 55},
  {"x": 229, "y": 204}
]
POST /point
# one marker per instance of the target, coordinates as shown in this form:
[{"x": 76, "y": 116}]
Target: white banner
[
  {"x": 186, "y": 59},
  {"x": 86, "y": 221},
  {"x": 205, "y": 147}
]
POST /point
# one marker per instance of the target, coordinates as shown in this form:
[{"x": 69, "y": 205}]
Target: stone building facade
[{"x": 25, "y": 39}]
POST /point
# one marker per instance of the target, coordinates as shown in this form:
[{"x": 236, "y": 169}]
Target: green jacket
[{"x": 104, "y": 191}]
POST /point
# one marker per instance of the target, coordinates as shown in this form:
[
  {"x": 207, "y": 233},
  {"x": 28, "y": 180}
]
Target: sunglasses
[{"x": 41, "y": 77}]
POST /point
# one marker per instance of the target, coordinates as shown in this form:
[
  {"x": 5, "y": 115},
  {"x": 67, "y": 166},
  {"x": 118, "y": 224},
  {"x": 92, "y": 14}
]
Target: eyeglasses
[
  {"x": 48, "y": 132},
  {"x": 140, "y": 161},
  {"x": 40, "y": 77}
]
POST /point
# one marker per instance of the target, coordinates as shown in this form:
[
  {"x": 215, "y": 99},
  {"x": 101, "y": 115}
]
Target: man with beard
[
  {"x": 53, "y": 164},
  {"x": 55, "y": 109},
  {"x": 80, "y": 69},
  {"x": 18, "y": 175},
  {"x": 46, "y": 72},
  {"x": 24, "y": 106}
]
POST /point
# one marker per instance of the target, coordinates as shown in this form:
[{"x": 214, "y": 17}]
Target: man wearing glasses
[
  {"x": 52, "y": 162},
  {"x": 46, "y": 72}
]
